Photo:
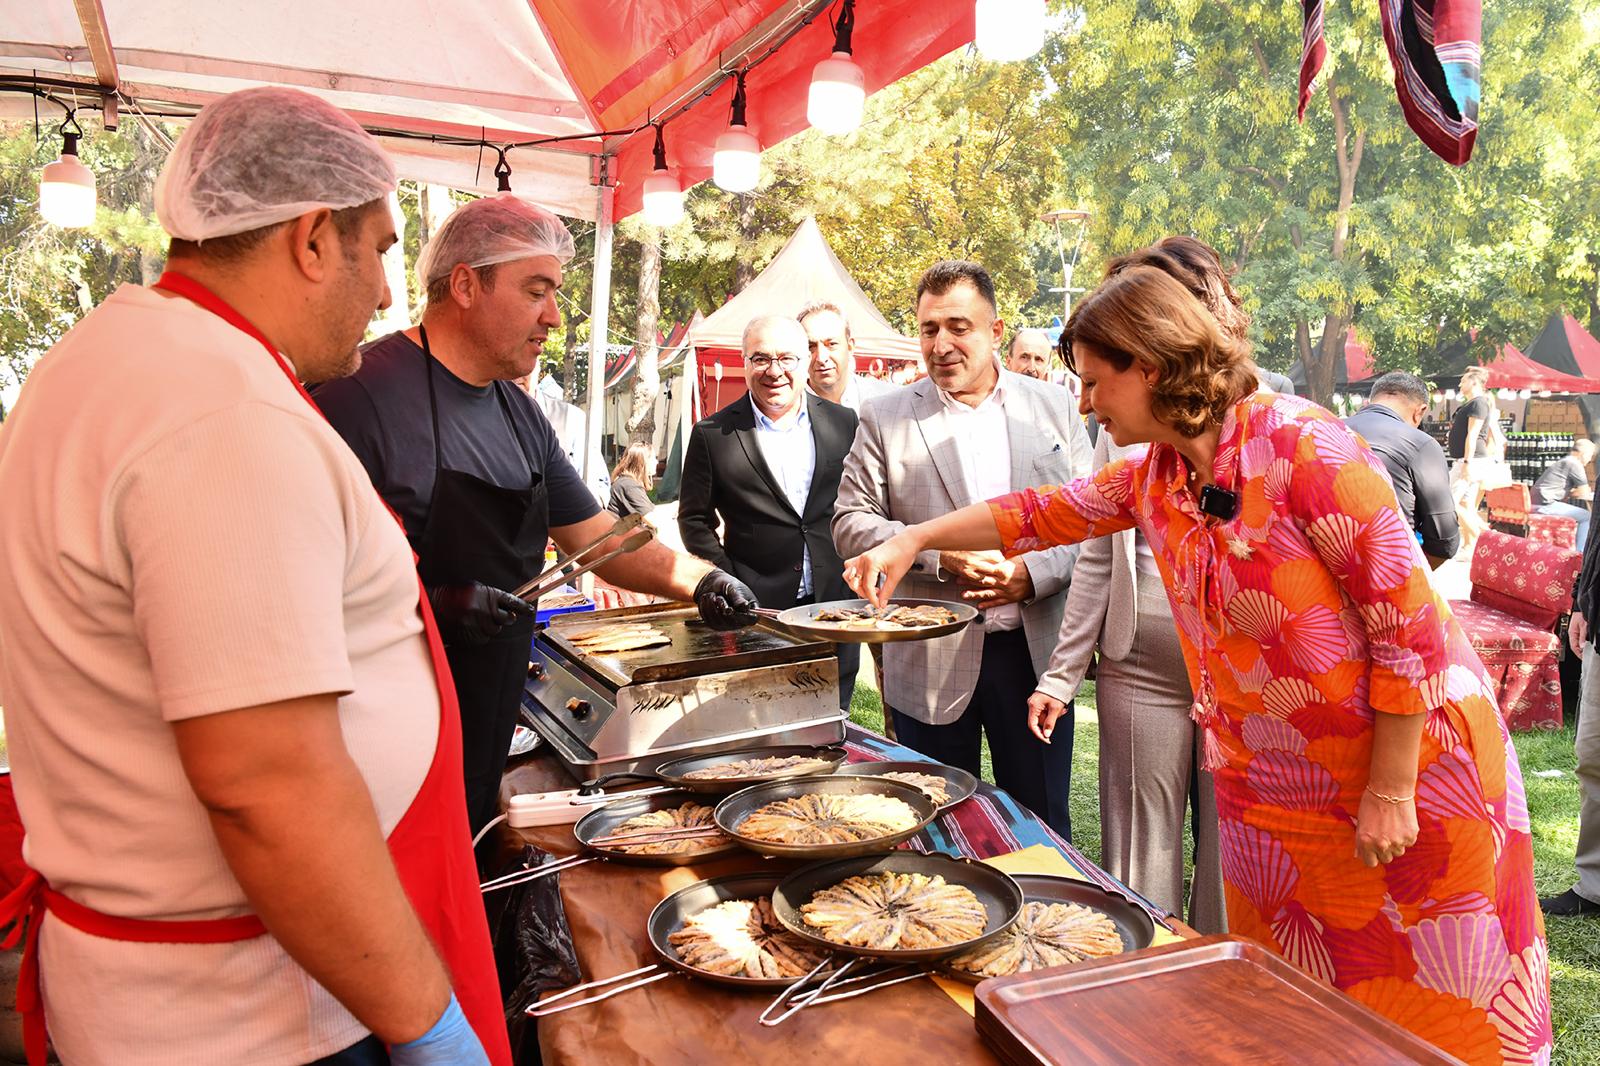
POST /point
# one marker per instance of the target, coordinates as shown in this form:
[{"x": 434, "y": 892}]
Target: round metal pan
[
  {"x": 958, "y": 783},
  {"x": 671, "y": 913},
  {"x": 802, "y": 620},
  {"x": 732, "y": 811},
  {"x": 672, "y": 772},
  {"x": 1000, "y": 895},
  {"x": 603, "y": 822},
  {"x": 1134, "y": 924}
]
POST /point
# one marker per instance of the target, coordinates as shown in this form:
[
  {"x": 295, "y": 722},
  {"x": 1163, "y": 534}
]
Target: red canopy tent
[
  {"x": 1513, "y": 370},
  {"x": 1567, "y": 346}
]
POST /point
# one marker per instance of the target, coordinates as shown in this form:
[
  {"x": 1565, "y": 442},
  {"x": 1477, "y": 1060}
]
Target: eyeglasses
[{"x": 782, "y": 362}]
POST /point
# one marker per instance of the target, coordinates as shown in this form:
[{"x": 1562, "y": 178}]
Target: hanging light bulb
[
  {"x": 1009, "y": 29},
  {"x": 838, "y": 87},
  {"x": 736, "y": 162},
  {"x": 663, "y": 196},
  {"x": 66, "y": 187}
]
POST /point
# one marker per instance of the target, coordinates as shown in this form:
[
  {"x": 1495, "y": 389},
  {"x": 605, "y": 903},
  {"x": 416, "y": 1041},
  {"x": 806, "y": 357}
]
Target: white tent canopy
[{"x": 804, "y": 271}]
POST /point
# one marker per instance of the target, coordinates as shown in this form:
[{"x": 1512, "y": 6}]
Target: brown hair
[
  {"x": 1143, "y": 314},
  {"x": 636, "y": 462},
  {"x": 1198, "y": 267}
]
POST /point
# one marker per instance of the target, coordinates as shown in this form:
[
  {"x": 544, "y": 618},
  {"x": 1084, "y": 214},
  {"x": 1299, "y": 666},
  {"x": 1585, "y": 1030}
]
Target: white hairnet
[
  {"x": 495, "y": 229},
  {"x": 262, "y": 156}
]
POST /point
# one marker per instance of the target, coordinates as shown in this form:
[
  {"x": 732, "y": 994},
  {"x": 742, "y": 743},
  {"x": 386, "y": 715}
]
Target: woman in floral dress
[{"x": 1373, "y": 824}]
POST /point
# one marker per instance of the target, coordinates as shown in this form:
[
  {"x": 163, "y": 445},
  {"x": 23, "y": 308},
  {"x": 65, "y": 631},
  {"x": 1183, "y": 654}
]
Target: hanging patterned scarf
[{"x": 1434, "y": 48}]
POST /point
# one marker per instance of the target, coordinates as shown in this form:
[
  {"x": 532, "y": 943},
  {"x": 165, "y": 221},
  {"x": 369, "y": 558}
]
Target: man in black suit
[{"x": 766, "y": 469}]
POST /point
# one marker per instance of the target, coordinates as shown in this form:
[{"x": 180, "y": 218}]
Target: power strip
[{"x": 545, "y": 808}]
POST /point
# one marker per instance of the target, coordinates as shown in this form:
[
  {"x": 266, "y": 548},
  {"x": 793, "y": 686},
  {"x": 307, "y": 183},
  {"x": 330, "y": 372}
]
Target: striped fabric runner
[{"x": 990, "y": 823}]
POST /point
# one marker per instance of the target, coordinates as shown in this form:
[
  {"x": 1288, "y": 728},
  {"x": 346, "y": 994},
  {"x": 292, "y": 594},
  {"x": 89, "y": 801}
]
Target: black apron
[{"x": 477, "y": 531}]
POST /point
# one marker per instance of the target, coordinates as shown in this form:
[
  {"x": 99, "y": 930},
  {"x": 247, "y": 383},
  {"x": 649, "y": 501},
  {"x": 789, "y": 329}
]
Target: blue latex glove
[{"x": 451, "y": 1042}]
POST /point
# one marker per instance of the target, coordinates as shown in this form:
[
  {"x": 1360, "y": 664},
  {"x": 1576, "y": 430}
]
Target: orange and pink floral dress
[{"x": 1298, "y": 616}]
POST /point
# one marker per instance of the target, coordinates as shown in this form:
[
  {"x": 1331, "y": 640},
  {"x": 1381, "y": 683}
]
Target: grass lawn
[{"x": 1552, "y": 806}]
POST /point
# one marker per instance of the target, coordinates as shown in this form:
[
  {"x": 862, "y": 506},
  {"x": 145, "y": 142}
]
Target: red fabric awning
[{"x": 1513, "y": 370}]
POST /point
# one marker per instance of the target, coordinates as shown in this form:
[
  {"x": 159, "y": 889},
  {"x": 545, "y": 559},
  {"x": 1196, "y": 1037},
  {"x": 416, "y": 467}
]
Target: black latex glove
[
  {"x": 472, "y": 614},
  {"x": 725, "y": 602}
]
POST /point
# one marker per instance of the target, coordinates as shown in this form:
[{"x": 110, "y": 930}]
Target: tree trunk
[
  {"x": 434, "y": 205},
  {"x": 1322, "y": 367},
  {"x": 569, "y": 361},
  {"x": 744, "y": 267},
  {"x": 647, "y": 380}
]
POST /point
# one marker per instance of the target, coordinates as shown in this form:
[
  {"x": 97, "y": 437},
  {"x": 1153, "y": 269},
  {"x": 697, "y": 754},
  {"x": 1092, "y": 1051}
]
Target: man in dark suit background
[{"x": 765, "y": 469}]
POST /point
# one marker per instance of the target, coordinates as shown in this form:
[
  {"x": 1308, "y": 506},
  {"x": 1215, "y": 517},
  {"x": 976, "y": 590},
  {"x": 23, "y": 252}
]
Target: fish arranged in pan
[
  {"x": 828, "y": 818},
  {"x": 613, "y": 637},
  {"x": 887, "y": 911},
  {"x": 902, "y": 617},
  {"x": 741, "y": 938},
  {"x": 933, "y": 786},
  {"x": 728, "y": 771},
  {"x": 1046, "y": 934},
  {"x": 651, "y": 823}
]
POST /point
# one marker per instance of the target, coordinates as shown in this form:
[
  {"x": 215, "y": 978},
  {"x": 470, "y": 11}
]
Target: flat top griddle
[{"x": 696, "y": 648}]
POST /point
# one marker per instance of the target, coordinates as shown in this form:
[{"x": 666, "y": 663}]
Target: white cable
[{"x": 486, "y": 829}]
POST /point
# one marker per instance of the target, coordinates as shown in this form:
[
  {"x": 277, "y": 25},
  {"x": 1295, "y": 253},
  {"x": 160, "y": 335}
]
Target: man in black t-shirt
[
  {"x": 1471, "y": 420},
  {"x": 476, "y": 472},
  {"x": 1565, "y": 485},
  {"x": 1471, "y": 430}
]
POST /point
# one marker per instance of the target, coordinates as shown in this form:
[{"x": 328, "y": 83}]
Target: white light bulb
[
  {"x": 66, "y": 193},
  {"x": 736, "y": 163},
  {"x": 1008, "y": 30},
  {"x": 838, "y": 95},
  {"x": 663, "y": 199}
]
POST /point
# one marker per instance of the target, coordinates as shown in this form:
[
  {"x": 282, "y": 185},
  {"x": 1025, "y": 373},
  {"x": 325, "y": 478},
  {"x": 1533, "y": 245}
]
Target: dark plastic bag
[{"x": 533, "y": 949}]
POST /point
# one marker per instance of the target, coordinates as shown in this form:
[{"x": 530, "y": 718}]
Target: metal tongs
[{"x": 636, "y": 533}]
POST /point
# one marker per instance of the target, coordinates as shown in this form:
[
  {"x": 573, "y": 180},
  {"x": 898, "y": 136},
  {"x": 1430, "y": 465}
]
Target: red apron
[{"x": 430, "y": 846}]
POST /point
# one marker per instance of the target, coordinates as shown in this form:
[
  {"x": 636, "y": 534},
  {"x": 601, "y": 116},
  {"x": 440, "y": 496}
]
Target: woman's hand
[
  {"x": 873, "y": 575},
  {"x": 1384, "y": 830},
  {"x": 1043, "y": 710}
]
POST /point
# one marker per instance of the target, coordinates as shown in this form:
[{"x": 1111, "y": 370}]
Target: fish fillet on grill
[
  {"x": 690, "y": 815},
  {"x": 741, "y": 938},
  {"x": 933, "y": 786},
  {"x": 1046, "y": 934},
  {"x": 728, "y": 771},
  {"x": 896, "y": 911},
  {"x": 828, "y": 818},
  {"x": 614, "y": 637}
]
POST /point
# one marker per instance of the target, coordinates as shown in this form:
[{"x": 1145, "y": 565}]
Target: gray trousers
[
  {"x": 1150, "y": 771},
  {"x": 1588, "y": 745}
]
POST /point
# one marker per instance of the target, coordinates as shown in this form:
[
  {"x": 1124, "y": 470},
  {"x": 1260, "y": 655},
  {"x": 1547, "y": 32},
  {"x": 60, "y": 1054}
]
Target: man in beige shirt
[{"x": 219, "y": 696}]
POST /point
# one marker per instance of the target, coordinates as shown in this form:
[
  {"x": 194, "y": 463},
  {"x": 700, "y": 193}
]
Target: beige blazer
[
  {"x": 1101, "y": 609},
  {"x": 904, "y": 468}
]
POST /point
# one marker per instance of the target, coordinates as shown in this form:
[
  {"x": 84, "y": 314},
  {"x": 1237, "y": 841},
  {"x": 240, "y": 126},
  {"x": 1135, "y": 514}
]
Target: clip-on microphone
[{"x": 1219, "y": 502}]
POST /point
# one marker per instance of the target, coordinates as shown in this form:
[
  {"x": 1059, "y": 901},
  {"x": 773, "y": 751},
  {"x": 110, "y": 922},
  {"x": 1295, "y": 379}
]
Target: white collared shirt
[
  {"x": 791, "y": 455},
  {"x": 859, "y": 388},
  {"x": 983, "y": 440}
]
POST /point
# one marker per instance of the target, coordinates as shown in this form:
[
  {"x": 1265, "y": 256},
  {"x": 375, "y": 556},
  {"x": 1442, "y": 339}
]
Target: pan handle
[
  {"x": 543, "y": 1008},
  {"x": 599, "y": 783}
]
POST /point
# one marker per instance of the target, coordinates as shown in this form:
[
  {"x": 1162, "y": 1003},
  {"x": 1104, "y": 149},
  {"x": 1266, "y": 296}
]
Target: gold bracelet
[{"x": 1395, "y": 800}]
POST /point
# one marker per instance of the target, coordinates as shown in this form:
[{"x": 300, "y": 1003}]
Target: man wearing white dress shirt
[
  {"x": 760, "y": 478},
  {"x": 970, "y": 431},
  {"x": 831, "y": 370}
]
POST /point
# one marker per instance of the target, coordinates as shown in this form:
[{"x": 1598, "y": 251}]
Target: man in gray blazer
[{"x": 970, "y": 431}]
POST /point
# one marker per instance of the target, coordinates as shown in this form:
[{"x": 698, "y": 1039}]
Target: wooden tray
[{"x": 1218, "y": 999}]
